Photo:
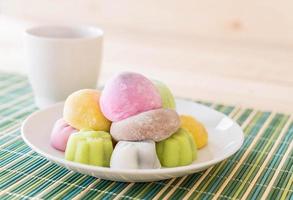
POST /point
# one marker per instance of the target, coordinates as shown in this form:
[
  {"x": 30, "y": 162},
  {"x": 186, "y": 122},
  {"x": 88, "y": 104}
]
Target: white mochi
[{"x": 135, "y": 155}]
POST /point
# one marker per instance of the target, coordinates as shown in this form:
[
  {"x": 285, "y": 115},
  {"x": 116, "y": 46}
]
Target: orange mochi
[
  {"x": 196, "y": 129},
  {"x": 82, "y": 111}
]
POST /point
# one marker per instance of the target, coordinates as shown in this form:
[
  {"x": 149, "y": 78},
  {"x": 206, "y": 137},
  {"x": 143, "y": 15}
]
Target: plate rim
[{"x": 191, "y": 167}]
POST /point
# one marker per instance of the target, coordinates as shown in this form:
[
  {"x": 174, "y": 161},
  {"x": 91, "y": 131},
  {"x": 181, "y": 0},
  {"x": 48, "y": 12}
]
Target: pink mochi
[
  {"x": 128, "y": 94},
  {"x": 60, "y": 134}
]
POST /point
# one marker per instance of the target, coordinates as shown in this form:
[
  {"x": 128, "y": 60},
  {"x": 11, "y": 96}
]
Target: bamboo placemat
[{"x": 261, "y": 169}]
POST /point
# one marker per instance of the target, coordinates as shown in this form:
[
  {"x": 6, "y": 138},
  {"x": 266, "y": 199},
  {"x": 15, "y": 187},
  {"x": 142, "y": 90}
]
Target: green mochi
[
  {"x": 177, "y": 150},
  {"x": 167, "y": 97},
  {"x": 90, "y": 147}
]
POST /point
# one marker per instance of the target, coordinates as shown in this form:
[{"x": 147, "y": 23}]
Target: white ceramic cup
[{"x": 61, "y": 60}]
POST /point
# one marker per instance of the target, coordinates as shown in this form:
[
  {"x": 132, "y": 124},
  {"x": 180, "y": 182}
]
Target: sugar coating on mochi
[
  {"x": 177, "y": 150},
  {"x": 90, "y": 147},
  {"x": 154, "y": 125},
  {"x": 128, "y": 94},
  {"x": 168, "y": 100},
  {"x": 60, "y": 134},
  {"x": 135, "y": 155},
  {"x": 82, "y": 111}
]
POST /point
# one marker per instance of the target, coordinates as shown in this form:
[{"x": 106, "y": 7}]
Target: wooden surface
[
  {"x": 269, "y": 21},
  {"x": 233, "y": 73},
  {"x": 245, "y": 62}
]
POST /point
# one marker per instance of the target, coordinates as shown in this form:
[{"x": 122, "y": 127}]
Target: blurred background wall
[{"x": 231, "y": 51}]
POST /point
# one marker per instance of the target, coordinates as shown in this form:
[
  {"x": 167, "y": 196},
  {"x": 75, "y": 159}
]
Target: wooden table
[{"x": 249, "y": 74}]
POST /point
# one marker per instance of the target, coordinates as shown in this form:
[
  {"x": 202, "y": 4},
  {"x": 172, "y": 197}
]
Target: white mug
[{"x": 61, "y": 60}]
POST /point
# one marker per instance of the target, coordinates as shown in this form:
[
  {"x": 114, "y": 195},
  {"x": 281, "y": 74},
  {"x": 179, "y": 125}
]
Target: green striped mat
[{"x": 262, "y": 169}]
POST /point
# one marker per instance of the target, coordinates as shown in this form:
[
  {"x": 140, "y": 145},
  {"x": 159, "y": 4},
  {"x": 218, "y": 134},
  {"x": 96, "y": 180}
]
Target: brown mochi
[{"x": 156, "y": 125}]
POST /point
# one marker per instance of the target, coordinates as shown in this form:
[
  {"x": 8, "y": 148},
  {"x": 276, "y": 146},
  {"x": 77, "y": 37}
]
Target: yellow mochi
[
  {"x": 196, "y": 129},
  {"x": 82, "y": 111}
]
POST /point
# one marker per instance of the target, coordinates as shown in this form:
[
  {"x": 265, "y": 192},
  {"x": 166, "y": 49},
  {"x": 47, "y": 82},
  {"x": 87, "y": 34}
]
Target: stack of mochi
[{"x": 131, "y": 124}]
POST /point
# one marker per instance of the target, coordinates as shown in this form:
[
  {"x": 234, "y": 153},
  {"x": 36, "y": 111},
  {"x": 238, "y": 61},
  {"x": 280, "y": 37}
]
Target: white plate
[{"x": 225, "y": 138}]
